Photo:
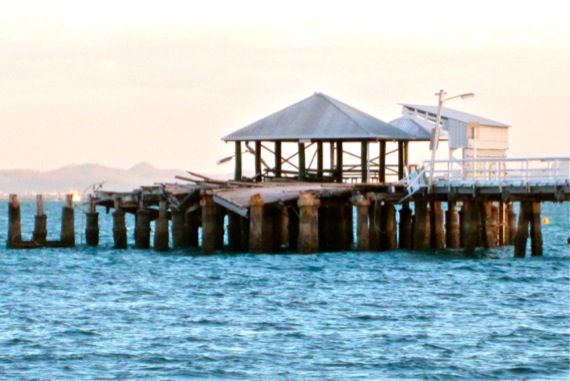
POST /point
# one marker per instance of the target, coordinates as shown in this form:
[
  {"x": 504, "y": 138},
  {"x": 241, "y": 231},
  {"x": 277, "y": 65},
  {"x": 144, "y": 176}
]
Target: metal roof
[
  {"x": 419, "y": 128},
  {"x": 318, "y": 117},
  {"x": 454, "y": 114}
]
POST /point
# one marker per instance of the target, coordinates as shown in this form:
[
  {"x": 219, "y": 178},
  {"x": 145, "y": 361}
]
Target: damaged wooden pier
[{"x": 212, "y": 216}]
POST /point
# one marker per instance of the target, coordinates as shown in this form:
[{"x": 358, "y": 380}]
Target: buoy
[{"x": 546, "y": 220}]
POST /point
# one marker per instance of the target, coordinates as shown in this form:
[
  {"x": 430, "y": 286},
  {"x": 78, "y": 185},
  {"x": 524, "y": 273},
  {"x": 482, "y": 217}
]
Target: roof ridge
[{"x": 333, "y": 102}]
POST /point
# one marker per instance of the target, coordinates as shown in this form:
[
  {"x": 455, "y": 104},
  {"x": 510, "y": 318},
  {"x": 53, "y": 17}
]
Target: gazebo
[{"x": 306, "y": 129}]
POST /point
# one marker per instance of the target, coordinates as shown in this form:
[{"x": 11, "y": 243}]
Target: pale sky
[{"x": 120, "y": 82}]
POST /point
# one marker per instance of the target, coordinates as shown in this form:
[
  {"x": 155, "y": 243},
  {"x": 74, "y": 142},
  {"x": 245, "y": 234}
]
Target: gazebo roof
[{"x": 318, "y": 117}]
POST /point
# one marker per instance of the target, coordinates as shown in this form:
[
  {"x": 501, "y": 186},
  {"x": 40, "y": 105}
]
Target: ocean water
[{"x": 104, "y": 314}]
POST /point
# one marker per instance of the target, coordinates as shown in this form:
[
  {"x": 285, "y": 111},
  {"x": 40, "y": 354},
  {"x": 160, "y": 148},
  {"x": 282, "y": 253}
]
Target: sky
[{"x": 122, "y": 82}]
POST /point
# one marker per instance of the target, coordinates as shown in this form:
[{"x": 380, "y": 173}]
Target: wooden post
[
  {"x": 161, "y": 227},
  {"x": 191, "y": 227},
  {"x": 308, "y": 223},
  {"x": 178, "y": 230},
  {"x": 210, "y": 220},
  {"x": 320, "y": 161},
  {"x": 237, "y": 172},
  {"x": 364, "y": 161},
  {"x": 14, "y": 222},
  {"x": 421, "y": 238},
  {"x": 525, "y": 216},
  {"x": 470, "y": 226},
  {"x": 375, "y": 240},
  {"x": 142, "y": 228},
  {"x": 68, "y": 222},
  {"x": 293, "y": 227},
  {"x": 382, "y": 163},
  {"x": 493, "y": 234},
  {"x": 535, "y": 230},
  {"x": 278, "y": 156},
  {"x": 452, "y": 232},
  {"x": 339, "y": 162},
  {"x": 256, "y": 224},
  {"x": 346, "y": 231},
  {"x": 302, "y": 164},
  {"x": 119, "y": 226},
  {"x": 234, "y": 232},
  {"x": 258, "y": 170},
  {"x": 92, "y": 224},
  {"x": 400, "y": 160},
  {"x": 362, "y": 231},
  {"x": 405, "y": 227},
  {"x": 503, "y": 230},
  {"x": 389, "y": 239},
  {"x": 40, "y": 226},
  {"x": 244, "y": 238},
  {"x": 512, "y": 224},
  {"x": 437, "y": 229}
]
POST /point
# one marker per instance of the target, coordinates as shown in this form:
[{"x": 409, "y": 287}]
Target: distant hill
[{"x": 80, "y": 177}]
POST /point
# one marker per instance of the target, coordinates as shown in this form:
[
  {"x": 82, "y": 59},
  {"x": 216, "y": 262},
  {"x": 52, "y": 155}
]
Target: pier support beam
[
  {"x": 308, "y": 223},
  {"x": 437, "y": 234},
  {"x": 536, "y": 230},
  {"x": 512, "y": 224},
  {"x": 14, "y": 222},
  {"x": 68, "y": 222},
  {"x": 293, "y": 227},
  {"x": 389, "y": 238},
  {"x": 119, "y": 226},
  {"x": 40, "y": 222},
  {"x": 405, "y": 227},
  {"x": 525, "y": 215},
  {"x": 142, "y": 228},
  {"x": 178, "y": 231},
  {"x": 421, "y": 226},
  {"x": 375, "y": 227},
  {"x": 161, "y": 227},
  {"x": 212, "y": 225},
  {"x": 362, "y": 230},
  {"x": 470, "y": 226},
  {"x": 92, "y": 225},
  {"x": 452, "y": 233},
  {"x": 234, "y": 232},
  {"x": 258, "y": 226},
  {"x": 191, "y": 227}
]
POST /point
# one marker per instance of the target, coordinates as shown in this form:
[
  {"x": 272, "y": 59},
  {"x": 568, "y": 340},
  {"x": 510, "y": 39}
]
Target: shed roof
[
  {"x": 318, "y": 117},
  {"x": 419, "y": 128},
  {"x": 454, "y": 114}
]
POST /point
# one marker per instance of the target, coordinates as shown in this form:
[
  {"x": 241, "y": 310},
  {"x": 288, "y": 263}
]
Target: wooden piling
[
  {"x": 493, "y": 236},
  {"x": 452, "y": 233},
  {"x": 405, "y": 227},
  {"x": 256, "y": 224},
  {"x": 142, "y": 228},
  {"x": 525, "y": 216},
  {"x": 389, "y": 237},
  {"x": 161, "y": 227},
  {"x": 40, "y": 222},
  {"x": 421, "y": 240},
  {"x": 375, "y": 226},
  {"x": 14, "y": 222},
  {"x": 92, "y": 224},
  {"x": 68, "y": 222},
  {"x": 293, "y": 227},
  {"x": 536, "y": 230},
  {"x": 234, "y": 232},
  {"x": 437, "y": 234},
  {"x": 191, "y": 227},
  {"x": 512, "y": 224},
  {"x": 210, "y": 224},
  {"x": 470, "y": 224},
  {"x": 244, "y": 223},
  {"x": 362, "y": 229},
  {"x": 178, "y": 230},
  {"x": 119, "y": 226},
  {"x": 308, "y": 223}
]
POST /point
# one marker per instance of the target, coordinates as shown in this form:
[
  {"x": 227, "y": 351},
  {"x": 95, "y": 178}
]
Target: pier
[{"x": 460, "y": 210}]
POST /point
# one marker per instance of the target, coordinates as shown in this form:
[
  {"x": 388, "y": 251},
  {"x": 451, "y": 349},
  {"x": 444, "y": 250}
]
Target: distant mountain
[{"x": 81, "y": 177}]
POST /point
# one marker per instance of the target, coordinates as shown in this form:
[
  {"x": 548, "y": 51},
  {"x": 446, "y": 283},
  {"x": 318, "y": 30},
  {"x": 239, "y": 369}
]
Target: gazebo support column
[
  {"x": 400, "y": 160},
  {"x": 364, "y": 161},
  {"x": 278, "y": 159},
  {"x": 339, "y": 163},
  {"x": 237, "y": 173},
  {"x": 320, "y": 161},
  {"x": 382, "y": 163},
  {"x": 258, "y": 170},
  {"x": 301, "y": 162}
]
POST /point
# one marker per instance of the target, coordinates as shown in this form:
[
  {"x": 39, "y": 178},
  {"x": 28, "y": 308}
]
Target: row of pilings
[{"x": 306, "y": 225}]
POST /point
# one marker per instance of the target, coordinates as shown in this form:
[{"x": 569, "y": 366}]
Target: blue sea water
[{"x": 105, "y": 314}]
